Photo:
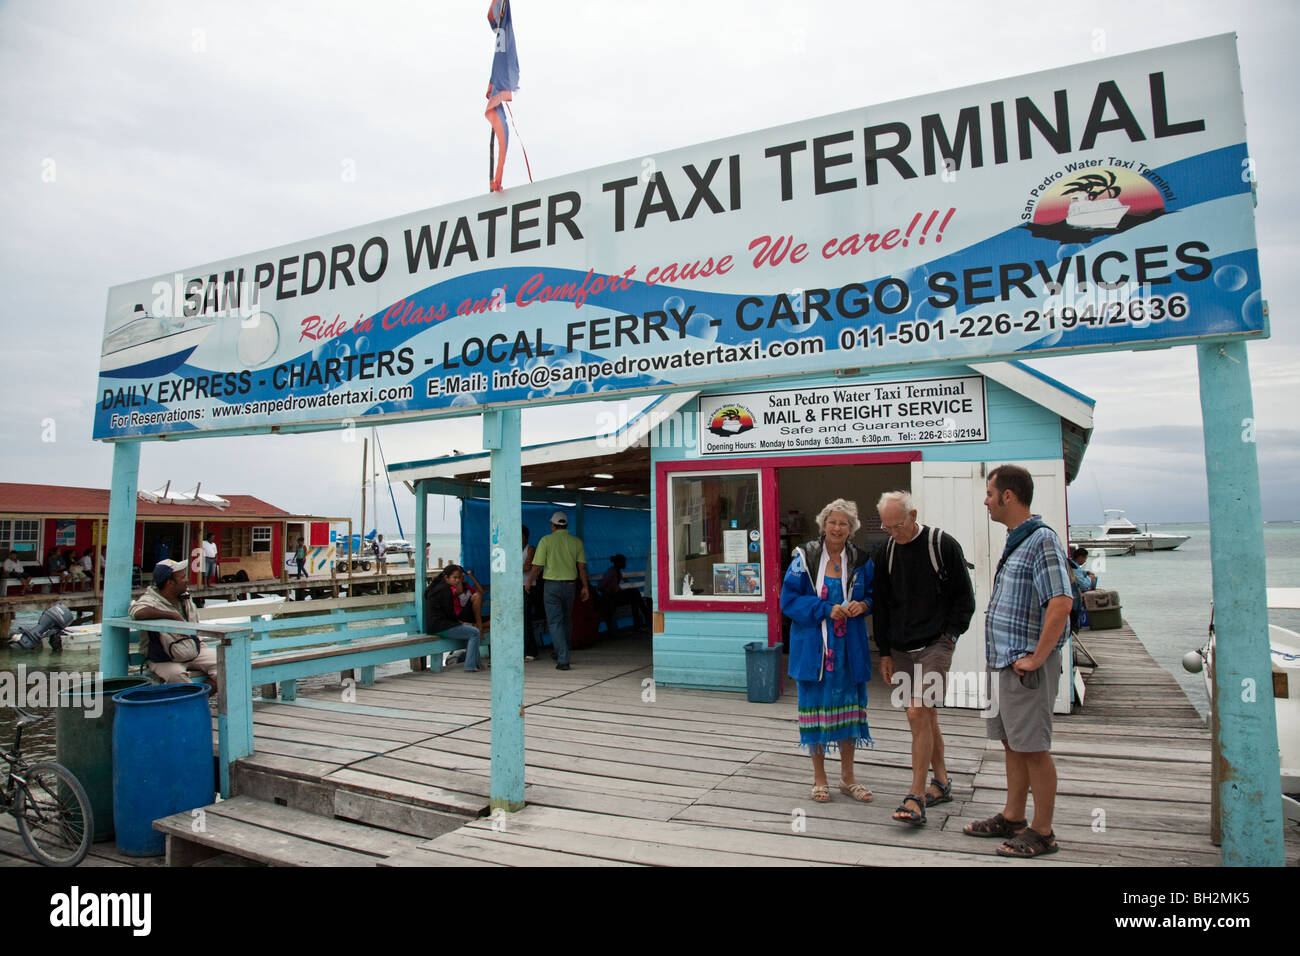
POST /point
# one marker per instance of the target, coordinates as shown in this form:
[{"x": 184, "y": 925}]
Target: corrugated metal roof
[{"x": 56, "y": 500}]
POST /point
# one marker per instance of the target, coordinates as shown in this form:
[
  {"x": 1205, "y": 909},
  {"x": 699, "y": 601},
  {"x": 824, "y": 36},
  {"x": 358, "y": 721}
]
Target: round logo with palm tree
[
  {"x": 731, "y": 420},
  {"x": 1102, "y": 201}
]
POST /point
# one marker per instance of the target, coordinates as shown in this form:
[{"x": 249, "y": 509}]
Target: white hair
[
  {"x": 901, "y": 498},
  {"x": 850, "y": 508}
]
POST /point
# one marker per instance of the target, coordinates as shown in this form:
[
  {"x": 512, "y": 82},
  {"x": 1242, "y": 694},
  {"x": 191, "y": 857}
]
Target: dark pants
[
  {"x": 608, "y": 605},
  {"x": 558, "y": 599},
  {"x": 534, "y": 615}
]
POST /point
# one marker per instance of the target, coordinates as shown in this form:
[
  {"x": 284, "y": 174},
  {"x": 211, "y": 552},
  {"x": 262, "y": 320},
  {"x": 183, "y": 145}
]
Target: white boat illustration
[
  {"x": 150, "y": 345},
  {"x": 1086, "y": 213}
]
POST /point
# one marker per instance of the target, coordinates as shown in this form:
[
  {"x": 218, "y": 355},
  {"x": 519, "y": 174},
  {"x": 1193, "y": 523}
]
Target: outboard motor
[{"x": 51, "y": 626}]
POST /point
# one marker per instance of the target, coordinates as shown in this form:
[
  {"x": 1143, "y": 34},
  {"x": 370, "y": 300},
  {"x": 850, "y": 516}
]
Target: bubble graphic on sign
[
  {"x": 362, "y": 345},
  {"x": 1230, "y": 278},
  {"x": 675, "y": 302},
  {"x": 463, "y": 399},
  {"x": 342, "y": 350},
  {"x": 1068, "y": 250},
  {"x": 1252, "y": 310},
  {"x": 259, "y": 337},
  {"x": 701, "y": 326}
]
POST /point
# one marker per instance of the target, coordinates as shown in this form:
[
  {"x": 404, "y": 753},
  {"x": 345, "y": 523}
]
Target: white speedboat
[
  {"x": 1094, "y": 213},
  {"x": 1284, "y": 653},
  {"x": 149, "y": 346},
  {"x": 1118, "y": 531}
]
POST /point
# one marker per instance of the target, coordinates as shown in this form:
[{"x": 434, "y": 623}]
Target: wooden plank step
[{"x": 263, "y": 844}]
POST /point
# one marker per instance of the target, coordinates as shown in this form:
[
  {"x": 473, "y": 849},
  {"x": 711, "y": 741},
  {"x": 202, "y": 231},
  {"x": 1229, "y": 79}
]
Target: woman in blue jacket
[{"x": 825, "y": 595}]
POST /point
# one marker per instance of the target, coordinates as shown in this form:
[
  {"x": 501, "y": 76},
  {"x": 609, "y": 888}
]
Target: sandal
[
  {"x": 915, "y": 817},
  {"x": 857, "y": 791},
  {"x": 945, "y": 793},
  {"x": 1029, "y": 843},
  {"x": 995, "y": 826},
  {"x": 821, "y": 793}
]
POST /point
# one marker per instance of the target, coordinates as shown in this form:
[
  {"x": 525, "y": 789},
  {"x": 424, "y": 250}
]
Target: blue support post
[
  {"x": 119, "y": 564},
  {"x": 1249, "y": 790},
  {"x": 501, "y": 438},
  {"x": 579, "y": 515},
  {"x": 421, "y": 554},
  {"x": 235, "y": 705}
]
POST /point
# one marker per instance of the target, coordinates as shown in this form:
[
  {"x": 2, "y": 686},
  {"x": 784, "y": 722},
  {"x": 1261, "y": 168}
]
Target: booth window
[
  {"x": 262, "y": 539},
  {"x": 19, "y": 536},
  {"x": 715, "y": 536}
]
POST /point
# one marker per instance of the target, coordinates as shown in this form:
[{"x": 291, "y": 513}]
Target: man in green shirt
[{"x": 560, "y": 559}]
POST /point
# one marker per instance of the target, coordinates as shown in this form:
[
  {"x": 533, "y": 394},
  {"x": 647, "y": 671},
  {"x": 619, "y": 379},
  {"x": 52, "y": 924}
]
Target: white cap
[{"x": 559, "y": 520}]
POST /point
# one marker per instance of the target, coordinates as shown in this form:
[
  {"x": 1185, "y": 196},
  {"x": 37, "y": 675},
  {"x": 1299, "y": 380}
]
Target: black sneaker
[{"x": 561, "y": 667}]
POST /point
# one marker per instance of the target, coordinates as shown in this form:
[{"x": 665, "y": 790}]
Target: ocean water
[{"x": 1165, "y": 595}]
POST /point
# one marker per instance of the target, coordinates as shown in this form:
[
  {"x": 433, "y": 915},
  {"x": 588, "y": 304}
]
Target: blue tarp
[{"x": 606, "y": 532}]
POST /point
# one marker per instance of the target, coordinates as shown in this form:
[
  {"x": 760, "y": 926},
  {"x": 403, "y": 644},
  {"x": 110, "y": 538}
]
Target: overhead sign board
[
  {"x": 934, "y": 411},
  {"x": 1106, "y": 205}
]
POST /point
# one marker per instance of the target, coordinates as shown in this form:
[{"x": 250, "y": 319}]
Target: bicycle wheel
[{"x": 53, "y": 814}]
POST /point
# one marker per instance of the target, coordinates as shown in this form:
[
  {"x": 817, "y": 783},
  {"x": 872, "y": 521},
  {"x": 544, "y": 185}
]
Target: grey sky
[{"x": 141, "y": 137}]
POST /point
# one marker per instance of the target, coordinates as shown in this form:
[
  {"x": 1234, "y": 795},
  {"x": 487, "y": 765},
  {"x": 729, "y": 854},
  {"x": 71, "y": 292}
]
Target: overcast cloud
[{"x": 142, "y": 137}]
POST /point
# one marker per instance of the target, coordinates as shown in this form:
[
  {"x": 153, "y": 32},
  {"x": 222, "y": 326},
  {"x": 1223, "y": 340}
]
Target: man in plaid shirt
[{"x": 1025, "y": 626}]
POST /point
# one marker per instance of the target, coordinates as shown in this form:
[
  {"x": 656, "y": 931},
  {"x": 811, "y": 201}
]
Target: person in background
[
  {"x": 826, "y": 594},
  {"x": 560, "y": 559},
  {"x": 469, "y": 599},
  {"x": 300, "y": 558},
  {"x": 209, "y": 548},
  {"x": 76, "y": 572},
  {"x": 1026, "y": 624},
  {"x": 611, "y": 595},
  {"x": 173, "y": 657},
  {"x": 1081, "y": 581},
  {"x": 923, "y": 603},
  {"x": 533, "y": 612},
  {"x": 15, "y": 569},
  {"x": 57, "y": 567},
  {"x": 442, "y": 613},
  {"x": 381, "y": 555}
]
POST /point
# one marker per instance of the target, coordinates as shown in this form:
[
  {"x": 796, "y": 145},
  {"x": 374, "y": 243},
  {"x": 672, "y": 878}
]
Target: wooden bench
[{"x": 305, "y": 639}]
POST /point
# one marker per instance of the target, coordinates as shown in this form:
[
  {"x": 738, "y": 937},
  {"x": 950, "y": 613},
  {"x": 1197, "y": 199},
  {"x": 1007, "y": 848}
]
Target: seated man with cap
[{"x": 172, "y": 657}]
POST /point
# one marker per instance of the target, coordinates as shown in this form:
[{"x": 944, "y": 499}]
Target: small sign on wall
[{"x": 936, "y": 411}]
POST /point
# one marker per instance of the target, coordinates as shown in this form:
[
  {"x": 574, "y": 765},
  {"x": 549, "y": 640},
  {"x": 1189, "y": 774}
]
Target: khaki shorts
[
  {"x": 1023, "y": 717},
  {"x": 930, "y": 684}
]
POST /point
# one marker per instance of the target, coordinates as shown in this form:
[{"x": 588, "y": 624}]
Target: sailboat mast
[{"x": 365, "y": 448}]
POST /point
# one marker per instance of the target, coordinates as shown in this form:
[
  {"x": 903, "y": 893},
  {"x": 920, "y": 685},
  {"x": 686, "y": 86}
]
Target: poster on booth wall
[
  {"x": 1102, "y": 205},
  {"x": 856, "y": 415},
  {"x": 749, "y": 580},
  {"x": 733, "y": 546},
  {"x": 65, "y": 532},
  {"x": 724, "y": 579}
]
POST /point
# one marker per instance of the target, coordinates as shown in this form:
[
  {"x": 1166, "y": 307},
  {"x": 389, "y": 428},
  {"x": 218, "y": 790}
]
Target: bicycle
[{"x": 48, "y": 802}]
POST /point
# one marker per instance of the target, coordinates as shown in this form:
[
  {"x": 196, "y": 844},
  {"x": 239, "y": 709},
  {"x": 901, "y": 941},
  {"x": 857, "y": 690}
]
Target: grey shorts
[
  {"x": 934, "y": 661},
  {"x": 1023, "y": 715}
]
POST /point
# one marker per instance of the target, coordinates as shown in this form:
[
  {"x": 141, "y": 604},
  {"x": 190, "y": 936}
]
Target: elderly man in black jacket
[{"x": 923, "y": 602}]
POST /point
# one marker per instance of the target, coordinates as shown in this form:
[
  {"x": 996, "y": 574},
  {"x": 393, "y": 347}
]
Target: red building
[{"x": 251, "y": 535}]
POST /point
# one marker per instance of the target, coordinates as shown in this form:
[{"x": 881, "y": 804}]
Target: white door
[{"x": 951, "y": 496}]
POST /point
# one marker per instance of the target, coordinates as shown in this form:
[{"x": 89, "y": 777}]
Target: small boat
[
  {"x": 1094, "y": 213},
  {"x": 1120, "y": 532},
  {"x": 1284, "y": 652},
  {"x": 148, "y": 345}
]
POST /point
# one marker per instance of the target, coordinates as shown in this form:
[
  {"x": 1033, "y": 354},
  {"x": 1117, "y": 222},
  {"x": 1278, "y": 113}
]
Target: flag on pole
[{"x": 504, "y": 81}]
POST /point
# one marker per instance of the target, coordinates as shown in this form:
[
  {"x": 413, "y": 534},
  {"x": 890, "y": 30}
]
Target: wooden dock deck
[{"x": 623, "y": 773}]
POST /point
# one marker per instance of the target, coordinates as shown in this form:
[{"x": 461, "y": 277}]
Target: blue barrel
[
  {"x": 162, "y": 761},
  {"x": 763, "y": 673}
]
